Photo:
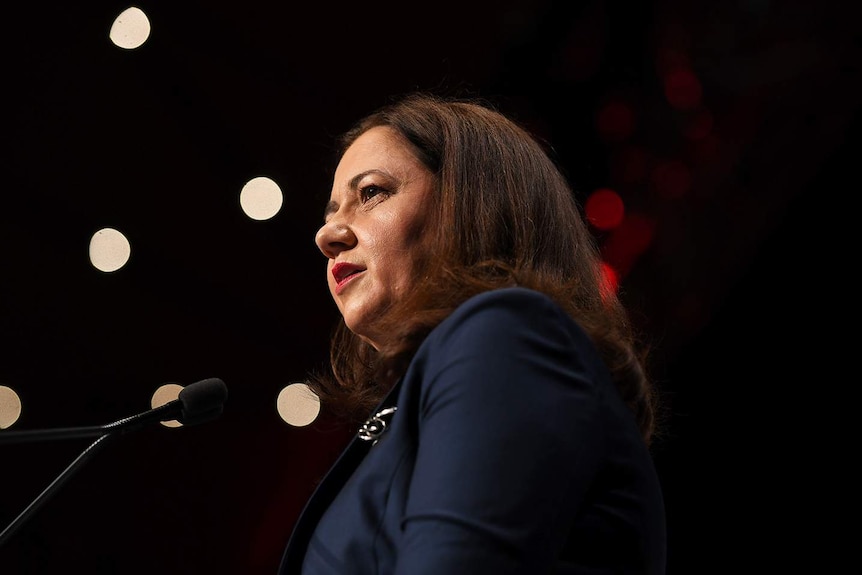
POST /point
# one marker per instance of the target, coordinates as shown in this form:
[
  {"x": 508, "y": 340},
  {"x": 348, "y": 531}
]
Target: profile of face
[{"x": 373, "y": 228}]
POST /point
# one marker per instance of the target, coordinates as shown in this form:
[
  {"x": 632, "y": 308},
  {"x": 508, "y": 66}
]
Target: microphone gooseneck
[
  {"x": 94, "y": 447},
  {"x": 197, "y": 402}
]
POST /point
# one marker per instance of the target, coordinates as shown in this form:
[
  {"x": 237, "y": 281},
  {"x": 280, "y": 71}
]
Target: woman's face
[{"x": 373, "y": 226}]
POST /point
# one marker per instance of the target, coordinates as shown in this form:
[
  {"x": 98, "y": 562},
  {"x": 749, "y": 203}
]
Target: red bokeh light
[
  {"x": 682, "y": 89},
  {"x": 610, "y": 279},
  {"x": 604, "y": 209},
  {"x": 628, "y": 241}
]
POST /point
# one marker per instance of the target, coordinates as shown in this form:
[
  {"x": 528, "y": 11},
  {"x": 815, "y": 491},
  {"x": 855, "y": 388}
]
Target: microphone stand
[
  {"x": 94, "y": 448},
  {"x": 197, "y": 403},
  {"x": 108, "y": 432}
]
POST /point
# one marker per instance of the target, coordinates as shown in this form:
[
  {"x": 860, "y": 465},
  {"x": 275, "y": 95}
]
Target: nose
[{"x": 334, "y": 237}]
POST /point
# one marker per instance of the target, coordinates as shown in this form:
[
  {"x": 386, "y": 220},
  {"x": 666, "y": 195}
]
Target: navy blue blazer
[{"x": 510, "y": 451}]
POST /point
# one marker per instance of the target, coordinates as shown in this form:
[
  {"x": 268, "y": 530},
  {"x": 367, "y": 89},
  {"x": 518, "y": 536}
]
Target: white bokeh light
[
  {"x": 10, "y": 407},
  {"x": 165, "y": 394},
  {"x": 298, "y": 405},
  {"x": 109, "y": 250},
  {"x": 261, "y": 198},
  {"x": 130, "y": 29}
]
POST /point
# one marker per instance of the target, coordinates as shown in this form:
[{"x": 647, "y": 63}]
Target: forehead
[
  {"x": 380, "y": 156},
  {"x": 380, "y": 148}
]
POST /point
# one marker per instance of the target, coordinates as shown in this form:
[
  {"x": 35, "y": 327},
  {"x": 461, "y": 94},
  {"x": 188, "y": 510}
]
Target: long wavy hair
[{"x": 503, "y": 214}]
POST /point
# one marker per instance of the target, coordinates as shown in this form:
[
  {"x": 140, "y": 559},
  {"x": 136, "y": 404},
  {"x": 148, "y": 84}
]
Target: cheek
[
  {"x": 398, "y": 244},
  {"x": 421, "y": 242},
  {"x": 410, "y": 267}
]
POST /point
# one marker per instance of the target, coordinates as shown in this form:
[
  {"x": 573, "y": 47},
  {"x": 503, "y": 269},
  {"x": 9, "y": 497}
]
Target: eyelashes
[
  {"x": 372, "y": 191},
  {"x": 369, "y": 195}
]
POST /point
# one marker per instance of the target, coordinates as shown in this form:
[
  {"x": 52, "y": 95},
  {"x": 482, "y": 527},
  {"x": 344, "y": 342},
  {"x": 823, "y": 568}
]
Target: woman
[{"x": 507, "y": 412}]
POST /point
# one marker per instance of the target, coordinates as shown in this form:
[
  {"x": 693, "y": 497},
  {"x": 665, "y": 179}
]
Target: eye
[{"x": 371, "y": 191}]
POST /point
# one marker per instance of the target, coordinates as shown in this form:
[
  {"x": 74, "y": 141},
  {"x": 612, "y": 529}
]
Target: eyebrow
[{"x": 332, "y": 206}]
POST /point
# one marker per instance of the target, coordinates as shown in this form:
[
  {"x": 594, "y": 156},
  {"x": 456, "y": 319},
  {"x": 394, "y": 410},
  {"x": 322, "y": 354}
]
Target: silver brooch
[{"x": 375, "y": 425}]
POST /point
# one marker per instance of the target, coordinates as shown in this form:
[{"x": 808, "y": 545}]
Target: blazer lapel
[{"x": 333, "y": 481}]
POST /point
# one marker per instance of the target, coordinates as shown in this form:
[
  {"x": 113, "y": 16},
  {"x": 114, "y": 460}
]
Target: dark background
[{"x": 739, "y": 285}]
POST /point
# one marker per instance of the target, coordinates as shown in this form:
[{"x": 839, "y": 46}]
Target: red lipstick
[{"x": 344, "y": 272}]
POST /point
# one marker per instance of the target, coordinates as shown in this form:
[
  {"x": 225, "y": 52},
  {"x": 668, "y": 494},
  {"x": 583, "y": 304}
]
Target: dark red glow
[
  {"x": 610, "y": 279},
  {"x": 604, "y": 209},
  {"x": 629, "y": 165},
  {"x": 698, "y": 126},
  {"x": 672, "y": 179},
  {"x": 615, "y": 121},
  {"x": 628, "y": 241},
  {"x": 682, "y": 89}
]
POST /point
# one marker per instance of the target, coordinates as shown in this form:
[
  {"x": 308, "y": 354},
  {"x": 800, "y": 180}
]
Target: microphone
[
  {"x": 201, "y": 401},
  {"x": 196, "y": 403}
]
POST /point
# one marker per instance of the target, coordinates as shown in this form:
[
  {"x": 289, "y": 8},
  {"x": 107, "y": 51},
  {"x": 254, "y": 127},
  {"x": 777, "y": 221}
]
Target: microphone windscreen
[
  {"x": 201, "y": 417},
  {"x": 202, "y": 401}
]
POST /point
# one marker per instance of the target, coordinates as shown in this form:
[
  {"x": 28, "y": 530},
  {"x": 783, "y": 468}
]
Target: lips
[{"x": 343, "y": 273}]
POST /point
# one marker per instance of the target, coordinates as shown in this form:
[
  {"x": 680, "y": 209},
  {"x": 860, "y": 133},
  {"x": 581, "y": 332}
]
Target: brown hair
[{"x": 503, "y": 215}]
